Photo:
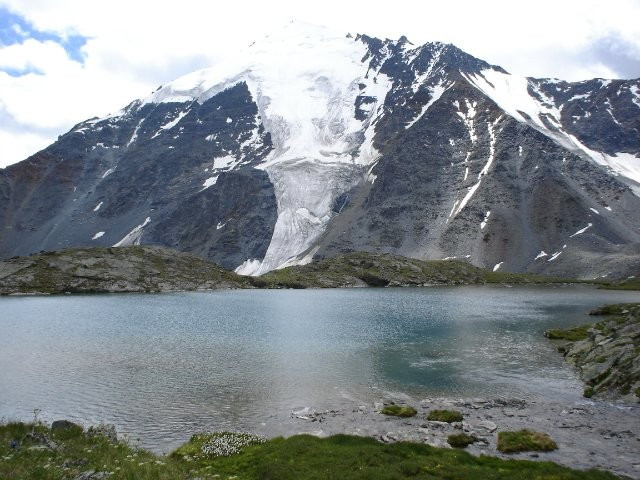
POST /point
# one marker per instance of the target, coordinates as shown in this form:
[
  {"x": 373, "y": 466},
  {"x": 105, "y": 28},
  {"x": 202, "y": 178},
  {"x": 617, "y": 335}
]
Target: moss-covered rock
[
  {"x": 461, "y": 440},
  {"x": 399, "y": 411},
  {"x": 449, "y": 416},
  {"x": 525, "y": 441}
]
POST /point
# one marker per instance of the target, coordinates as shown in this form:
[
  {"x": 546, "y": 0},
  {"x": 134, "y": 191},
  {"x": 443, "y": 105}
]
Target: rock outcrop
[
  {"x": 607, "y": 353},
  {"x": 124, "y": 269}
]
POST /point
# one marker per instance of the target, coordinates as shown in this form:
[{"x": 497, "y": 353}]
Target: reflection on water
[{"x": 160, "y": 365}]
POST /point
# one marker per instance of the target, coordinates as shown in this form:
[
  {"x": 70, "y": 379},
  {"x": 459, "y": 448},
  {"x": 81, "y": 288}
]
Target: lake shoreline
[
  {"x": 589, "y": 434},
  {"x": 282, "y": 363}
]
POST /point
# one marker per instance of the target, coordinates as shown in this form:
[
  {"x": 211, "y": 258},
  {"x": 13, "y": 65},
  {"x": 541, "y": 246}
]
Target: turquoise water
[{"x": 161, "y": 365}]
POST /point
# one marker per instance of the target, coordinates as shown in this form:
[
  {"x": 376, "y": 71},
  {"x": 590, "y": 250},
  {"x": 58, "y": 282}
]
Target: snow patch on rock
[{"x": 133, "y": 237}]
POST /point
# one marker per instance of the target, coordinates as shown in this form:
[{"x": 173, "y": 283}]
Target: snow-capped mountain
[{"x": 313, "y": 143}]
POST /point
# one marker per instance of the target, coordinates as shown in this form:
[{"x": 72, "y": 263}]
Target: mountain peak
[{"x": 312, "y": 142}]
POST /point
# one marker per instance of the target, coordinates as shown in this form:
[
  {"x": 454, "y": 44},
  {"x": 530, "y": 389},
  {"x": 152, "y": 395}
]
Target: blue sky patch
[{"x": 15, "y": 29}]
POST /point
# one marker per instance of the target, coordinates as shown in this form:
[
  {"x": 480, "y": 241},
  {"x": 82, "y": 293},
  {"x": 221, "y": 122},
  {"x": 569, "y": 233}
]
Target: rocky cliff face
[
  {"x": 314, "y": 144},
  {"x": 607, "y": 353}
]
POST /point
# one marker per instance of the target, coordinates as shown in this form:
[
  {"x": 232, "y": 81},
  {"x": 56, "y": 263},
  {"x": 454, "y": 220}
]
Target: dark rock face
[
  {"x": 538, "y": 195},
  {"x": 601, "y": 113},
  {"x": 111, "y": 175},
  {"x": 227, "y": 224},
  {"x": 461, "y": 172}
]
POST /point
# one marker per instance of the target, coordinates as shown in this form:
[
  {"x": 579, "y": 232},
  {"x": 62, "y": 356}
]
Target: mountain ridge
[{"x": 313, "y": 145}]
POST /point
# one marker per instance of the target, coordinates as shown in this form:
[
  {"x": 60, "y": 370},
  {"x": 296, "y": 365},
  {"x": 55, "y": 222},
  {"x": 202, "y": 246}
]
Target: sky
[{"x": 64, "y": 61}]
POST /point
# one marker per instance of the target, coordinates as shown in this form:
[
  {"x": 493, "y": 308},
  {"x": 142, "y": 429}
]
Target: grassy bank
[
  {"x": 38, "y": 452},
  {"x": 628, "y": 284}
]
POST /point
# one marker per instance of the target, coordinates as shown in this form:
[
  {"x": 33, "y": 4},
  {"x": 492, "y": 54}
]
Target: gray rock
[
  {"x": 93, "y": 475},
  {"x": 107, "y": 431},
  {"x": 42, "y": 441},
  {"x": 485, "y": 427},
  {"x": 64, "y": 425},
  {"x": 608, "y": 361}
]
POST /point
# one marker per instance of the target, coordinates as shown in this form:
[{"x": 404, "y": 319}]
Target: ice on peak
[
  {"x": 511, "y": 93},
  {"x": 436, "y": 92},
  {"x": 522, "y": 99},
  {"x": 305, "y": 84},
  {"x": 227, "y": 162}
]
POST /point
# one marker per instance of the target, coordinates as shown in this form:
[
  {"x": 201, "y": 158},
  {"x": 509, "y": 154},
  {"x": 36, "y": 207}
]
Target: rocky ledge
[
  {"x": 124, "y": 269},
  {"x": 157, "y": 269},
  {"x": 606, "y": 353},
  {"x": 366, "y": 269}
]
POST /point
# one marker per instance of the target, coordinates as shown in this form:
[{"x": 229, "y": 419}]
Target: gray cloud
[{"x": 618, "y": 54}]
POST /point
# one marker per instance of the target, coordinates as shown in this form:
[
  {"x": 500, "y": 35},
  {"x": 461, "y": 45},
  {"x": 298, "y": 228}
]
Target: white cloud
[
  {"x": 20, "y": 145},
  {"x": 43, "y": 56},
  {"x": 135, "y": 46},
  {"x": 65, "y": 93}
]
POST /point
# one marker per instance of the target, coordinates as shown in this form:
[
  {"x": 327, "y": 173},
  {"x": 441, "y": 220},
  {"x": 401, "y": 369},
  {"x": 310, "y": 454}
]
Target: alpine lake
[{"x": 163, "y": 366}]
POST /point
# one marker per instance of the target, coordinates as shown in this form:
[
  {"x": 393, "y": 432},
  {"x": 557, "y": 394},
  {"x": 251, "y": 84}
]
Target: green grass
[
  {"x": 461, "y": 440},
  {"x": 75, "y": 453},
  {"x": 525, "y": 441},
  {"x": 301, "y": 457},
  {"x": 399, "y": 411},
  {"x": 628, "y": 284},
  {"x": 614, "y": 309}
]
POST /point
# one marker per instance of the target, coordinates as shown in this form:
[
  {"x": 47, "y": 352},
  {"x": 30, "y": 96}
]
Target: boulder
[{"x": 64, "y": 425}]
